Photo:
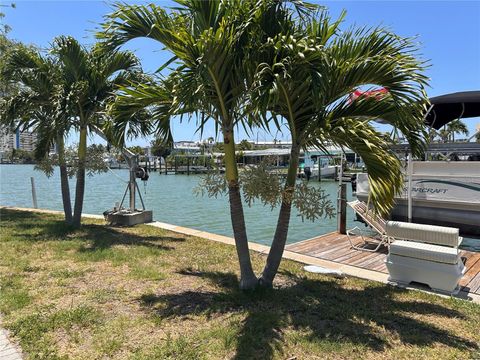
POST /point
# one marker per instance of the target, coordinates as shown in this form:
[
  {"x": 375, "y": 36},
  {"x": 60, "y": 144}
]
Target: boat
[
  {"x": 326, "y": 171},
  {"x": 442, "y": 193},
  {"x": 113, "y": 163},
  {"x": 445, "y": 192},
  {"x": 319, "y": 164}
]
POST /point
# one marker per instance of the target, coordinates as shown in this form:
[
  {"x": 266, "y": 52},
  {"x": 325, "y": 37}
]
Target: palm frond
[
  {"x": 128, "y": 22},
  {"x": 73, "y": 57},
  {"x": 141, "y": 109}
]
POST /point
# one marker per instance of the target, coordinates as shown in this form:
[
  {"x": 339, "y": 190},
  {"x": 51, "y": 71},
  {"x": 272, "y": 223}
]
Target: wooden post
[
  {"x": 319, "y": 168},
  {"x": 188, "y": 165},
  {"x": 34, "y": 193},
  {"x": 342, "y": 209},
  {"x": 175, "y": 165}
]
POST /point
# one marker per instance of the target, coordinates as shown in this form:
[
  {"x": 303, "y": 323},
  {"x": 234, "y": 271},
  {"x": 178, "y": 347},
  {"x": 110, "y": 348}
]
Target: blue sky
[{"x": 448, "y": 33}]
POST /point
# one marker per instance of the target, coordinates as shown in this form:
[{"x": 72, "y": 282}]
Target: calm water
[{"x": 172, "y": 200}]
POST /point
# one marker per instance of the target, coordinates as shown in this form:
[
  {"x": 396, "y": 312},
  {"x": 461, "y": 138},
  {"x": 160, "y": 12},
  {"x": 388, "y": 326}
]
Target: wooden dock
[{"x": 336, "y": 247}]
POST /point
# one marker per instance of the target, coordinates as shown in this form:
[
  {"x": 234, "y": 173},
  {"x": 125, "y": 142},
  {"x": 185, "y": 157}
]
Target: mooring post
[
  {"x": 34, "y": 193},
  {"x": 188, "y": 165},
  {"x": 319, "y": 168},
  {"x": 342, "y": 200},
  {"x": 342, "y": 209}
]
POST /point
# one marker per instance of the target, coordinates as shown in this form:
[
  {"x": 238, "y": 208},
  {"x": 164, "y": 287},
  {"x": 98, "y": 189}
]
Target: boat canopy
[
  {"x": 449, "y": 107},
  {"x": 457, "y": 147}
]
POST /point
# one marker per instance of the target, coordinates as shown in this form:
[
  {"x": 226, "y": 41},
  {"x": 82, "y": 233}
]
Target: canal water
[{"x": 172, "y": 200}]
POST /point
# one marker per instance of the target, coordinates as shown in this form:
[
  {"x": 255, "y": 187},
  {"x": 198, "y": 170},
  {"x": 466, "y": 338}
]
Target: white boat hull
[
  {"x": 443, "y": 193},
  {"x": 326, "y": 172}
]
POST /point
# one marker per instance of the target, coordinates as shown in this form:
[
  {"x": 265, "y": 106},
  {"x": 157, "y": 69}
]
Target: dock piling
[
  {"x": 342, "y": 209},
  {"x": 34, "y": 193}
]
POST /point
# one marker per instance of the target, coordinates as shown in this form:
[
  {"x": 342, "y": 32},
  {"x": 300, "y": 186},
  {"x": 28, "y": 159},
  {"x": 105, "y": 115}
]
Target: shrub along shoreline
[{"x": 147, "y": 293}]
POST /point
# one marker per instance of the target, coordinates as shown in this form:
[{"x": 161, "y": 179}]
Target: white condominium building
[{"x": 16, "y": 140}]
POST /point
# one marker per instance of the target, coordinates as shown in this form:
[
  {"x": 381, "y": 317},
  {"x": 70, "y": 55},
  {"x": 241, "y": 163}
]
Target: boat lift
[{"x": 131, "y": 216}]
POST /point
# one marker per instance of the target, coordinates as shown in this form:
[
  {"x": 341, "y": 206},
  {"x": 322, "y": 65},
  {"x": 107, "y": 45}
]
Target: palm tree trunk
[
  {"x": 80, "y": 188},
  {"x": 67, "y": 204},
  {"x": 248, "y": 279},
  {"x": 280, "y": 238}
]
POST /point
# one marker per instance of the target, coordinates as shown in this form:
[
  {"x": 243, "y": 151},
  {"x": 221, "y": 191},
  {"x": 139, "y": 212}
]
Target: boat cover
[{"x": 453, "y": 106}]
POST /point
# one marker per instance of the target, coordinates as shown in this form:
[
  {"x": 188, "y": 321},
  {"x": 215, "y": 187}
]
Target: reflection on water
[{"x": 172, "y": 200}]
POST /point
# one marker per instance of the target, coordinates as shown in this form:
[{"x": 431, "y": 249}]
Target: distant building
[
  {"x": 187, "y": 146},
  {"x": 252, "y": 157},
  {"x": 7, "y": 140},
  {"x": 308, "y": 157},
  {"x": 16, "y": 140},
  {"x": 275, "y": 144}
]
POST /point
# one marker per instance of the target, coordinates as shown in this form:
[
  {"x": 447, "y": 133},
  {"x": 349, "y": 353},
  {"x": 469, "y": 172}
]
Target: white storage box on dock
[{"x": 439, "y": 276}]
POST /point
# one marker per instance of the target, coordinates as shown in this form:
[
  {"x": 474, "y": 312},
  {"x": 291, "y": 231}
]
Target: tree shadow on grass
[
  {"x": 37, "y": 227},
  {"x": 7, "y": 214},
  {"x": 322, "y": 309}
]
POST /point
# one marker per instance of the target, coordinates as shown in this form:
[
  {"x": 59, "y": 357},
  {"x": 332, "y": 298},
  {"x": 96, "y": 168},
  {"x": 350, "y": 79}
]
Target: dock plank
[
  {"x": 306, "y": 244},
  {"x": 473, "y": 270},
  {"x": 370, "y": 265},
  {"x": 358, "y": 256},
  {"x": 333, "y": 252},
  {"x": 365, "y": 259},
  {"x": 474, "y": 284},
  {"x": 321, "y": 246},
  {"x": 354, "y": 254}
]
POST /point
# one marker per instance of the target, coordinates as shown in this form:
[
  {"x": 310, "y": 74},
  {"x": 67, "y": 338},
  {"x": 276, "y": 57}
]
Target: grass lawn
[{"x": 143, "y": 293}]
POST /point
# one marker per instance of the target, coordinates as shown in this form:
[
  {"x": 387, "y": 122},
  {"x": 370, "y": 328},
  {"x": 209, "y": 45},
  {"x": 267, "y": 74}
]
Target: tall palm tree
[
  {"x": 209, "y": 41},
  {"x": 91, "y": 76},
  {"x": 457, "y": 126},
  {"x": 68, "y": 90},
  {"x": 307, "y": 82},
  {"x": 39, "y": 106}
]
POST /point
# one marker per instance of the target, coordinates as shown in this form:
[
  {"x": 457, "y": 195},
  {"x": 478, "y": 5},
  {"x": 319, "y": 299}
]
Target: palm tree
[
  {"x": 209, "y": 40},
  {"x": 70, "y": 89},
  {"x": 91, "y": 77},
  {"x": 457, "y": 126},
  {"x": 444, "y": 134},
  {"x": 40, "y": 106},
  {"x": 307, "y": 82}
]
